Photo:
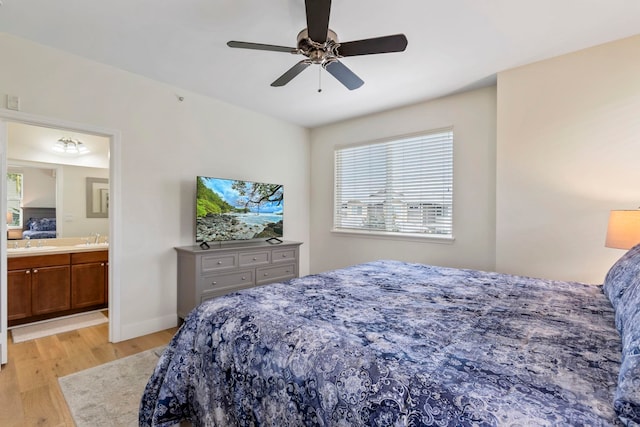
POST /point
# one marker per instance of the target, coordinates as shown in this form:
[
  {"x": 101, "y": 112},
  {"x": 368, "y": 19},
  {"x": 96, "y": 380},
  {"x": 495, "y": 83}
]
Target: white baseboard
[{"x": 146, "y": 327}]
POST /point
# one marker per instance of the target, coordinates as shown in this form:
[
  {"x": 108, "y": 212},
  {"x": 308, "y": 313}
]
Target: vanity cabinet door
[
  {"x": 88, "y": 286},
  {"x": 18, "y": 294},
  {"x": 50, "y": 289}
]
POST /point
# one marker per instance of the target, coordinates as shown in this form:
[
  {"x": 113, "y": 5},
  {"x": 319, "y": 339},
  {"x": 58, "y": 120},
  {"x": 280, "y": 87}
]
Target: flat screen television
[{"x": 228, "y": 209}]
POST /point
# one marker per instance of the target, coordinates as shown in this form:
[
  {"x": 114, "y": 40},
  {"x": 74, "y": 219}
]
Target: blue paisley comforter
[{"x": 389, "y": 343}]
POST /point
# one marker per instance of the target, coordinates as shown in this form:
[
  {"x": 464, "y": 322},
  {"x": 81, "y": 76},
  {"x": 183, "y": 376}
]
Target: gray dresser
[{"x": 228, "y": 267}]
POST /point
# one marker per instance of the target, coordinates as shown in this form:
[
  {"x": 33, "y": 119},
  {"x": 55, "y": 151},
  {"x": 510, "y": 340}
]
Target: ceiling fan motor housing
[{"x": 318, "y": 52}]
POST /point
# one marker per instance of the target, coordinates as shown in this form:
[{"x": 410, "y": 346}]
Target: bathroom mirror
[{"x": 57, "y": 181}]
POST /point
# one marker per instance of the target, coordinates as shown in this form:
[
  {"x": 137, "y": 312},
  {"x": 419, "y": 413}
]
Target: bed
[
  {"x": 41, "y": 223},
  {"x": 390, "y": 343},
  {"x": 40, "y": 228}
]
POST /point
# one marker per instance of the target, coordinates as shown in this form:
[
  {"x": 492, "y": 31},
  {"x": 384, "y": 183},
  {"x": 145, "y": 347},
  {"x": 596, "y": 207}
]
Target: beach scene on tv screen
[{"x": 237, "y": 210}]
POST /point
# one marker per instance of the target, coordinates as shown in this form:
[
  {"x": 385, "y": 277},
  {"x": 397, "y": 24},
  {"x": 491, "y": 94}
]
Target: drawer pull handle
[
  {"x": 266, "y": 274},
  {"x": 213, "y": 283},
  {"x": 35, "y": 270},
  {"x": 254, "y": 258},
  {"x": 284, "y": 255},
  {"x": 102, "y": 265},
  {"x": 244, "y": 278},
  {"x": 219, "y": 262},
  {"x": 27, "y": 272}
]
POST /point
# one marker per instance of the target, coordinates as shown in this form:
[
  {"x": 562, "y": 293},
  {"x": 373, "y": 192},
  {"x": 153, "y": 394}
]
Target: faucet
[
  {"x": 97, "y": 238},
  {"x": 27, "y": 244}
]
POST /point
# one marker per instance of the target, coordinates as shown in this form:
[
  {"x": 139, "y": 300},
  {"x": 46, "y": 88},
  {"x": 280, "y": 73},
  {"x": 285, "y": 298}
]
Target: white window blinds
[{"x": 400, "y": 186}]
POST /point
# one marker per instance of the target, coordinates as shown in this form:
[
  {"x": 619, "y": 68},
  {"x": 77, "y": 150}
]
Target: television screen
[{"x": 228, "y": 209}]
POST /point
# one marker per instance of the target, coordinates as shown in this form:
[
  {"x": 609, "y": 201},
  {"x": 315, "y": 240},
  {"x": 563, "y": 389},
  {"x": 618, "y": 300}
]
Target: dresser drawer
[
  {"x": 254, "y": 258},
  {"x": 214, "y": 293},
  {"x": 226, "y": 280},
  {"x": 218, "y": 262},
  {"x": 284, "y": 255},
  {"x": 275, "y": 274}
]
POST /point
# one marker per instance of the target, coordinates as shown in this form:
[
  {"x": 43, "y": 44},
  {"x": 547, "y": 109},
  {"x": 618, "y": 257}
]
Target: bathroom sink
[
  {"x": 92, "y": 245},
  {"x": 31, "y": 249}
]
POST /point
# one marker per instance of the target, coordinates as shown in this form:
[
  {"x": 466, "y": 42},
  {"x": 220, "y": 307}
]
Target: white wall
[
  {"x": 73, "y": 215},
  {"x": 568, "y": 145},
  {"x": 472, "y": 115},
  {"x": 165, "y": 143}
]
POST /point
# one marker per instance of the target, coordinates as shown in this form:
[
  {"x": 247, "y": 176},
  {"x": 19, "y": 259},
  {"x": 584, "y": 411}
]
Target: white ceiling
[
  {"x": 35, "y": 144},
  {"x": 453, "y": 45}
]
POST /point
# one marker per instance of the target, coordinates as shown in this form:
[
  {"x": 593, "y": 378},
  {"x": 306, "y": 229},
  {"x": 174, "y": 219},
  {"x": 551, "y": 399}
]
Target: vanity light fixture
[{"x": 70, "y": 146}]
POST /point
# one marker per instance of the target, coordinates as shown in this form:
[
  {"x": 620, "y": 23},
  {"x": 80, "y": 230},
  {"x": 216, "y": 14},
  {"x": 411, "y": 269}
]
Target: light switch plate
[{"x": 13, "y": 102}]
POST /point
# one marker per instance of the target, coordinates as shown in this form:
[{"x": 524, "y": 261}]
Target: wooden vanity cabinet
[
  {"x": 37, "y": 286},
  {"x": 89, "y": 279},
  {"x": 46, "y": 286}
]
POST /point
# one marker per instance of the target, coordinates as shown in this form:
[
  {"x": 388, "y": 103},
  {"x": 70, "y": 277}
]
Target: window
[
  {"x": 403, "y": 186},
  {"x": 14, "y": 200}
]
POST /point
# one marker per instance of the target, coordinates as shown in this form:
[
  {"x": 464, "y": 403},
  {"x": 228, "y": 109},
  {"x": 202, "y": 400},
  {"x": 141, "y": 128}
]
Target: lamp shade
[{"x": 623, "y": 231}]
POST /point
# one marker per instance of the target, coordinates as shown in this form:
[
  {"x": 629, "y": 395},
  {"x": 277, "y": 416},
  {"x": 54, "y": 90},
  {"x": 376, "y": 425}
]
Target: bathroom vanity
[{"x": 53, "y": 281}]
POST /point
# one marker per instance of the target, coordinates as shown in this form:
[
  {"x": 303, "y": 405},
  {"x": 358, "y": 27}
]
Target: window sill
[{"x": 447, "y": 240}]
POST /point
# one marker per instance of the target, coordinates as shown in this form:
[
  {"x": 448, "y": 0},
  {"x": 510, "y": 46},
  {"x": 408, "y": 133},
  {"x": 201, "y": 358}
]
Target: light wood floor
[{"x": 29, "y": 390}]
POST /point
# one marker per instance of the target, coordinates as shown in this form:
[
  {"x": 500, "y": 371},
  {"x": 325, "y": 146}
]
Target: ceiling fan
[{"x": 320, "y": 45}]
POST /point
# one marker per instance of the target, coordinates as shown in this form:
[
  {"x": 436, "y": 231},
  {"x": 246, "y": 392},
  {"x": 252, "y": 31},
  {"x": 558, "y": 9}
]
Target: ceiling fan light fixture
[{"x": 70, "y": 146}]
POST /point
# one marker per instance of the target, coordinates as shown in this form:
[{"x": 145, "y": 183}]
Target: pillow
[
  {"x": 622, "y": 287},
  {"x": 624, "y": 273},
  {"x": 42, "y": 224},
  {"x": 30, "y": 223},
  {"x": 47, "y": 224},
  {"x": 627, "y": 397}
]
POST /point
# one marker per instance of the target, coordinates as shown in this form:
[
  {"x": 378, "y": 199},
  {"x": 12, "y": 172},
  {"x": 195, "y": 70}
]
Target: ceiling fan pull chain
[{"x": 319, "y": 79}]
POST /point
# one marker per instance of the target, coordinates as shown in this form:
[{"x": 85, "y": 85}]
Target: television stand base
[{"x": 274, "y": 240}]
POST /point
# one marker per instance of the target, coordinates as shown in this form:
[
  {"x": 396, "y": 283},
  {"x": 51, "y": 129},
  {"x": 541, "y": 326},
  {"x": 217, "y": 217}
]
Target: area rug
[
  {"x": 109, "y": 394},
  {"x": 52, "y": 327}
]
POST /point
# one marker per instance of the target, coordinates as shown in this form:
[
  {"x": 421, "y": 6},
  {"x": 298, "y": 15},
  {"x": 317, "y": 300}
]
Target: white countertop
[{"x": 52, "y": 246}]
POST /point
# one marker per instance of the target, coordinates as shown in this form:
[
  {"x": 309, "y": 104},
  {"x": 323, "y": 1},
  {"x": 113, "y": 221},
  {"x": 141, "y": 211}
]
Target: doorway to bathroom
[{"x": 58, "y": 202}]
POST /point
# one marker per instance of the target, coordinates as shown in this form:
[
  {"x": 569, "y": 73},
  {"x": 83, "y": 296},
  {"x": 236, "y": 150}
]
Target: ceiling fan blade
[
  {"x": 344, "y": 75},
  {"x": 260, "y": 46},
  {"x": 318, "y": 19},
  {"x": 291, "y": 73},
  {"x": 386, "y": 44}
]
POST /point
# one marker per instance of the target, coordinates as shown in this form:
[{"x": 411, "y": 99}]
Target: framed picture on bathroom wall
[{"x": 97, "y": 197}]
